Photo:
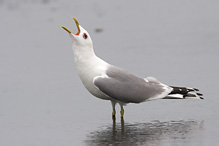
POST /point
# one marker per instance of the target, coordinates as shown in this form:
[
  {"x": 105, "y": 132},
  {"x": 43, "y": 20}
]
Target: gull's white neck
[
  {"x": 82, "y": 55},
  {"x": 87, "y": 63}
]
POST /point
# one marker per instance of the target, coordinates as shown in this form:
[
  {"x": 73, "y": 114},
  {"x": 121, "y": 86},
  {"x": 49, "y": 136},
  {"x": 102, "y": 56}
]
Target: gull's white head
[{"x": 80, "y": 40}]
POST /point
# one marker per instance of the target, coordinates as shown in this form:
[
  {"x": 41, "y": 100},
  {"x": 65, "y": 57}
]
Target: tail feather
[{"x": 184, "y": 93}]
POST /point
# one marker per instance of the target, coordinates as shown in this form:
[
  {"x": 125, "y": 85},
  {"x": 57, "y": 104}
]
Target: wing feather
[{"x": 126, "y": 87}]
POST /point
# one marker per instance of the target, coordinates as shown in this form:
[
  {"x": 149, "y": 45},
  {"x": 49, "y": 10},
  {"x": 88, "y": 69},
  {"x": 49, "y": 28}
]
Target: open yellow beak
[{"x": 77, "y": 24}]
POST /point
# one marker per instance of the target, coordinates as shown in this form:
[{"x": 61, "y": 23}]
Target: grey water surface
[{"x": 43, "y": 102}]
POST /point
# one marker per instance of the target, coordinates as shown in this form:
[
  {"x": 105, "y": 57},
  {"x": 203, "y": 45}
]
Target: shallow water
[
  {"x": 152, "y": 133},
  {"x": 42, "y": 101}
]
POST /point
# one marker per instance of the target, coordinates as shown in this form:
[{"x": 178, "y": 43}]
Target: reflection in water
[{"x": 153, "y": 133}]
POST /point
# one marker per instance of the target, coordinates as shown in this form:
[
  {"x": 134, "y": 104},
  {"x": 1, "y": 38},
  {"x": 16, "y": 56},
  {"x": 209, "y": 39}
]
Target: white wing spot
[{"x": 146, "y": 80}]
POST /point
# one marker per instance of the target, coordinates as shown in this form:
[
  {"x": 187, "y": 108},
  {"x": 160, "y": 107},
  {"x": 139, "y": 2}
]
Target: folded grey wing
[{"x": 126, "y": 87}]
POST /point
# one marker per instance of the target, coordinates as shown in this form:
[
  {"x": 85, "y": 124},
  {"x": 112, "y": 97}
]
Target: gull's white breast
[{"x": 90, "y": 68}]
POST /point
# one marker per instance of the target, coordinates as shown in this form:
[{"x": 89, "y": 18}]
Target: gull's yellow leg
[
  {"x": 114, "y": 113},
  {"x": 122, "y": 111},
  {"x": 114, "y": 110}
]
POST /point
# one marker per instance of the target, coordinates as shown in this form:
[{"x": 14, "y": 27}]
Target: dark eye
[{"x": 85, "y": 36}]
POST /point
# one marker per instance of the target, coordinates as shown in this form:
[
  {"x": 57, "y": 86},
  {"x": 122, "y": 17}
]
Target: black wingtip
[
  {"x": 202, "y": 98},
  {"x": 199, "y": 94}
]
